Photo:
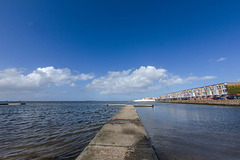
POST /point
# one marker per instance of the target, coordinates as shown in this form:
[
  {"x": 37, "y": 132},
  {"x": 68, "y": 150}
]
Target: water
[
  {"x": 187, "y": 131},
  {"x": 50, "y": 130},
  {"x": 61, "y": 130}
]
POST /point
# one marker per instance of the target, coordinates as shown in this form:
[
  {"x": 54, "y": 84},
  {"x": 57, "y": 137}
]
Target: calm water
[
  {"x": 186, "y": 131},
  {"x": 58, "y": 130},
  {"x": 50, "y": 130}
]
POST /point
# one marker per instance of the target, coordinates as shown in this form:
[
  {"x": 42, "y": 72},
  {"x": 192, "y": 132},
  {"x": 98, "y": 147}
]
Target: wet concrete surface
[{"x": 122, "y": 138}]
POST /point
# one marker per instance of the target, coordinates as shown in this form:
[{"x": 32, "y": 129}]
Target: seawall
[
  {"x": 234, "y": 102},
  {"x": 12, "y": 103},
  {"x": 123, "y": 137}
]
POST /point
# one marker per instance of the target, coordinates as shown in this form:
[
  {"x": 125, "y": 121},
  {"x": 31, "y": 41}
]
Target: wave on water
[{"x": 47, "y": 130}]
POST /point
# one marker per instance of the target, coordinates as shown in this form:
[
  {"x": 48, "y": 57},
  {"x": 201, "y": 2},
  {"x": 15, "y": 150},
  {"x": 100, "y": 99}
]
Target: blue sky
[{"x": 115, "y": 50}]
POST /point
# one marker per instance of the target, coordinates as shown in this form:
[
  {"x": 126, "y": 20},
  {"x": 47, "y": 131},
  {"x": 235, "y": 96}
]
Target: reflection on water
[
  {"x": 53, "y": 130},
  {"x": 186, "y": 131}
]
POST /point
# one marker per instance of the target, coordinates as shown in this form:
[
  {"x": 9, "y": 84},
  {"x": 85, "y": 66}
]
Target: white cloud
[
  {"x": 14, "y": 79},
  {"x": 73, "y": 85},
  {"x": 178, "y": 80},
  {"x": 221, "y": 59},
  {"x": 139, "y": 80}
]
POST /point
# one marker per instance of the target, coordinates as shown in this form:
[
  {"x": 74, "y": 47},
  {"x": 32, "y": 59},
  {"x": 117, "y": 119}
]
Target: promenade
[
  {"x": 123, "y": 137},
  {"x": 235, "y": 102}
]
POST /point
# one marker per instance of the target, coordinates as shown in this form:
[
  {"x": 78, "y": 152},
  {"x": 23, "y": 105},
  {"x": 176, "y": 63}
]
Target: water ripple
[{"x": 53, "y": 130}]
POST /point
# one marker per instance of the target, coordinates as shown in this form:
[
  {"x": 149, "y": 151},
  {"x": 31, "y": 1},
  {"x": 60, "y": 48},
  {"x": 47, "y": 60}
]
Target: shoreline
[{"x": 205, "y": 102}]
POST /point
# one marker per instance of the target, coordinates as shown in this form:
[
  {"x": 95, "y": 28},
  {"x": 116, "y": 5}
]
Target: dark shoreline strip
[{"x": 206, "y": 102}]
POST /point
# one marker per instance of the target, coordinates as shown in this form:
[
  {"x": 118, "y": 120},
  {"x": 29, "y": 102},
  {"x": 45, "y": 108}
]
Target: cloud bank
[
  {"x": 178, "y": 80},
  {"x": 143, "y": 79},
  {"x": 139, "y": 80},
  {"x": 14, "y": 79}
]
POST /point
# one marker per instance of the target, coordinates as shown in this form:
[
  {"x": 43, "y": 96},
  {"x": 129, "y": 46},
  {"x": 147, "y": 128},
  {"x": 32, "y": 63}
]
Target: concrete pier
[
  {"x": 115, "y": 105},
  {"x": 12, "y": 103},
  {"x": 143, "y": 105},
  {"x": 135, "y": 105},
  {"x": 123, "y": 137}
]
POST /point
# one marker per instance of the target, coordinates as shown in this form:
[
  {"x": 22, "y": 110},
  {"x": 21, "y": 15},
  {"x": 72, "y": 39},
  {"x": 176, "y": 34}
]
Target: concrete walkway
[{"x": 123, "y": 137}]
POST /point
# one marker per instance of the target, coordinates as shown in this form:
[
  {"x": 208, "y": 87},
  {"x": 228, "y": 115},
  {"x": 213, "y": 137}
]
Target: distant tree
[{"x": 233, "y": 90}]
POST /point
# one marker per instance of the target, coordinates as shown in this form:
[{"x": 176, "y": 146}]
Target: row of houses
[{"x": 206, "y": 92}]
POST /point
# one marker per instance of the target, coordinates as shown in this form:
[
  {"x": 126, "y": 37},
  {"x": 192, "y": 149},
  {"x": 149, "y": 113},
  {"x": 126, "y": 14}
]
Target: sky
[{"x": 115, "y": 50}]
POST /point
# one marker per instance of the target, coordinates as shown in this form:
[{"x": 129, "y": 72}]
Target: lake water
[
  {"x": 50, "y": 130},
  {"x": 193, "y": 132},
  {"x": 61, "y": 130}
]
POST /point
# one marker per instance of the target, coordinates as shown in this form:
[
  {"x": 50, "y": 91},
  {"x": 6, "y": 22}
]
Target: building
[
  {"x": 147, "y": 99},
  {"x": 222, "y": 90}
]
